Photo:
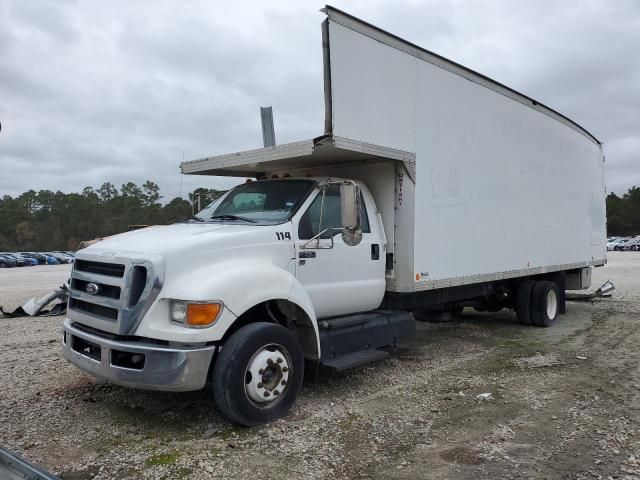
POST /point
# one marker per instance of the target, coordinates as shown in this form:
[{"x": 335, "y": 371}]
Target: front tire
[{"x": 258, "y": 374}]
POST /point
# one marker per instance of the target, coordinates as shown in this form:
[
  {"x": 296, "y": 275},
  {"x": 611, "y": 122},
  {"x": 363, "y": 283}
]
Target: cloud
[{"x": 119, "y": 91}]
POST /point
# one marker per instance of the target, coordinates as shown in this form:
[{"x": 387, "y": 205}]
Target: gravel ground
[{"x": 563, "y": 403}]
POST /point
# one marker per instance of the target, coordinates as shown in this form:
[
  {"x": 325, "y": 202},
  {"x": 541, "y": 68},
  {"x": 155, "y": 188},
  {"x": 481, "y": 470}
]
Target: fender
[
  {"x": 275, "y": 284},
  {"x": 238, "y": 284}
]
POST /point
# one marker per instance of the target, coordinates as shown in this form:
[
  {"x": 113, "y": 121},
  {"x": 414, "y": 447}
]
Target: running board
[
  {"x": 354, "y": 360},
  {"x": 352, "y": 340}
]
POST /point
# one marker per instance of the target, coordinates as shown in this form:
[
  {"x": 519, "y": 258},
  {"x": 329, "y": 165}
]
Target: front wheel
[{"x": 258, "y": 374}]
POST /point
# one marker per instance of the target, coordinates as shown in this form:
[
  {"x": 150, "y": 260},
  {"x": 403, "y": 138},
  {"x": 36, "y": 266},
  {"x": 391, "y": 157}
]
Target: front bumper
[{"x": 171, "y": 368}]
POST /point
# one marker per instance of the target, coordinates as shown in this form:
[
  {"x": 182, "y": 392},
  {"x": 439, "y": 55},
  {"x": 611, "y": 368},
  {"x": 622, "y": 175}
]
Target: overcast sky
[{"x": 117, "y": 91}]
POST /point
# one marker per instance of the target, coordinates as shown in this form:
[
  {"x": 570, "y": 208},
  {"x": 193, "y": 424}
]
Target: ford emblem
[{"x": 92, "y": 288}]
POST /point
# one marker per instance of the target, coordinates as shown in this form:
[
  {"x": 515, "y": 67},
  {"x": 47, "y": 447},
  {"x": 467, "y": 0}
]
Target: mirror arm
[{"x": 316, "y": 237}]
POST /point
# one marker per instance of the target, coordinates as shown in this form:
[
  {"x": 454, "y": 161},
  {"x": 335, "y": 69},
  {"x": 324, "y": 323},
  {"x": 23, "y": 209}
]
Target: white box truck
[{"x": 432, "y": 188}]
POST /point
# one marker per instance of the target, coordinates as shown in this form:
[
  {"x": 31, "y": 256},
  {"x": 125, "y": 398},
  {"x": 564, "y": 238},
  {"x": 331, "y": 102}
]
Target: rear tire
[
  {"x": 3, "y": 265},
  {"x": 258, "y": 374},
  {"x": 545, "y": 304},
  {"x": 523, "y": 302},
  {"x": 456, "y": 310}
]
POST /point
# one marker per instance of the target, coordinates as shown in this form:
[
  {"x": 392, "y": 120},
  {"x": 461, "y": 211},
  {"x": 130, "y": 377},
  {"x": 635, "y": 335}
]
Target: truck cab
[{"x": 157, "y": 308}]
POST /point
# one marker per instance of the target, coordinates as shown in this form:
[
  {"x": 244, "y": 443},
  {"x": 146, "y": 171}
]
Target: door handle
[
  {"x": 375, "y": 251},
  {"x": 307, "y": 254}
]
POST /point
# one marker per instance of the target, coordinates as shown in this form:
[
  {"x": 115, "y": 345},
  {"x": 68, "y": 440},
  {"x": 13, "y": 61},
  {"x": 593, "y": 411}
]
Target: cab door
[{"x": 339, "y": 278}]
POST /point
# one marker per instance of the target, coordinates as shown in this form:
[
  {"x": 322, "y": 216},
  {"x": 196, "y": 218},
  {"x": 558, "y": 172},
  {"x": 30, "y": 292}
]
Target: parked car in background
[
  {"x": 21, "y": 261},
  {"x": 633, "y": 244},
  {"x": 51, "y": 260},
  {"x": 617, "y": 244},
  {"x": 41, "y": 259},
  {"x": 31, "y": 260},
  {"x": 60, "y": 257},
  {"x": 65, "y": 255},
  {"x": 7, "y": 262},
  {"x": 611, "y": 242}
]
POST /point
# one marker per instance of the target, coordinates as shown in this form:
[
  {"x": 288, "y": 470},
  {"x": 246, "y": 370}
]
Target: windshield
[{"x": 265, "y": 202}]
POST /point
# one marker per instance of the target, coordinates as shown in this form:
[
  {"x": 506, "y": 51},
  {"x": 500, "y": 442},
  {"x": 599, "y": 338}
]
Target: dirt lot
[{"x": 564, "y": 403}]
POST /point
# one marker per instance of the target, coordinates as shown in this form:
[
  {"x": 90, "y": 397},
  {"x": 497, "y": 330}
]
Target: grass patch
[{"x": 164, "y": 459}]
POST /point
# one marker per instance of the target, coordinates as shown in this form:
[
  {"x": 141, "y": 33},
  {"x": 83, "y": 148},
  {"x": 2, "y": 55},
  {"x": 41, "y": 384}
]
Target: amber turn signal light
[{"x": 202, "y": 314}]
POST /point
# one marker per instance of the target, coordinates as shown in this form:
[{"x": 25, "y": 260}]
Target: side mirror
[
  {"x": 349, "y": 204},
  {"x": 351, "y": 231}
]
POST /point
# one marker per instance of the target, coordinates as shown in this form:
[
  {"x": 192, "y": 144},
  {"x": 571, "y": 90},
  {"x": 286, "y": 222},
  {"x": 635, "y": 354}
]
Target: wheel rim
[
  {"x": 267, "y": 375},
  {"x": 552, "y": 304}
]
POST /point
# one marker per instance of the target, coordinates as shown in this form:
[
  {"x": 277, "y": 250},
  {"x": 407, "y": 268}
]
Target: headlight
[
  {"x": 178, "y": 312},
  {"x": 194, "y": 314}
]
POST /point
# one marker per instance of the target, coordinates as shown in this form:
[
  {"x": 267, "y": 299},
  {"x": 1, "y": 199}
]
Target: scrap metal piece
[
  {"x": 36, "y": 306},
  {"x": 603, "y": 292}
]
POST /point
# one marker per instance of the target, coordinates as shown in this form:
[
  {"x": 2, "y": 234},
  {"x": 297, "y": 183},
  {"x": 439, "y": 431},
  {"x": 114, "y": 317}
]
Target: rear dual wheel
[{"x": 538, "y": 303}]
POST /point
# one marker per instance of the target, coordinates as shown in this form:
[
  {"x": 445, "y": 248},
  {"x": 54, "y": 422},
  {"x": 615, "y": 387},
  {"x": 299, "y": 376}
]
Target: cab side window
[{"x": 312, "y": 223}]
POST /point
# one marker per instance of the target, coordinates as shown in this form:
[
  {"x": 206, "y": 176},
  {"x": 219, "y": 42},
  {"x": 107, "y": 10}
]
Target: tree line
[
  {"x": 623, "y": 213},
  {"x": 47, "y": 220}
]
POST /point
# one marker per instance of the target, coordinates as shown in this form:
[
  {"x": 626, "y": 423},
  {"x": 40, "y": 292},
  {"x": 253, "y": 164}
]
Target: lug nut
[
  {"x": 285, "y": 369},
  {"x": 283, "y": 382},
  {"x": 276, "y": 392},
  {"x": 269, "y": 361},
  {"x": 261, "y": 371},
  {"x": 279, "y": 360},
  {"x": 266, "y": 394}
]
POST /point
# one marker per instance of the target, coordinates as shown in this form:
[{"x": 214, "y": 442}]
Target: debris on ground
[
  {"x": 36, "y": 307},
  {"x": 485, "y": 396},
  {"x": 538, "y": 361},
  {"x": 603, "y": 292}
]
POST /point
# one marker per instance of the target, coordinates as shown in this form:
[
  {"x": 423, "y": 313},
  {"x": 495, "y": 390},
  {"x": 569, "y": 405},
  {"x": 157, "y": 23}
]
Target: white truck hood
[
  {"x": 188, "y": 244},
  {"x": 168, "y": 239}
]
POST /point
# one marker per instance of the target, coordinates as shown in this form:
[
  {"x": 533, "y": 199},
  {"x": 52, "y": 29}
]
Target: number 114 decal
[{"x": 283, "y": 235}]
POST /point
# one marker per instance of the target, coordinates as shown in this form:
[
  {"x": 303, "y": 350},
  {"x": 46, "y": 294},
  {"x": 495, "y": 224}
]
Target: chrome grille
[
  {"x": 101, "y": 268},
  {"x": 113, "y": 294}
]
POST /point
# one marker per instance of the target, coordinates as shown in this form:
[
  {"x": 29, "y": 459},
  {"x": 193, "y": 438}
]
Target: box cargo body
[{"x": 474, "y": 181}]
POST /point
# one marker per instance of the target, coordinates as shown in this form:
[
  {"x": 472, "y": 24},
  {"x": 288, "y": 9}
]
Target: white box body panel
[
  {"x": 502, "y": 188},
  {"x": 474, "y": 181}
]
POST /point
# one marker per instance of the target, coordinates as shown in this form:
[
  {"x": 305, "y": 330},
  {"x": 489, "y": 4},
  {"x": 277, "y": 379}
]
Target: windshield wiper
[{"x": 232, "y": 217}]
